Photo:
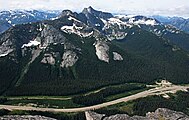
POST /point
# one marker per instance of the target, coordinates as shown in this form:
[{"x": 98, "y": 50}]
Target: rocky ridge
[
  {"x": 25, "y": 117},
  {"x": 159, "y": 114}
]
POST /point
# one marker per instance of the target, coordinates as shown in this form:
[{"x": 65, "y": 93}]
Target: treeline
[
  {"x": 120, "y": 89},
  {"x": 91, "y": 99},
  {"x": 99, "y": 97},
  {"x": 8, "y": 73},
  {"x": 57, "y": 87},
  {"x": 3, "y": 100}
]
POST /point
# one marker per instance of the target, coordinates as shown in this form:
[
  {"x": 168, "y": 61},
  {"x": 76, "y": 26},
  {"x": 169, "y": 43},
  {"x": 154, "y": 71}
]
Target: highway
[{"x": 154, "y": 91}]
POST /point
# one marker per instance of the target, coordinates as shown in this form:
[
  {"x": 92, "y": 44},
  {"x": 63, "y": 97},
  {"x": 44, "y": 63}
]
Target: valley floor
[{"x": 154, "y": 91}]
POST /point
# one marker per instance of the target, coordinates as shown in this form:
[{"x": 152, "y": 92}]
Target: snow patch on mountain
[
  {"x": 132, "y": 19},
  {"x": 31, "y": 43},
  {"x": 5, "y": 53},
  {"x": 102, "y": 50},
  {"x": 104, "y": 21},
  {"x": 117, "y": 21},
  {"x": 74, "y": 19},
  {"x": 97, "y": 24},
  {"x": 71, "y": 29},
  {"x": 54, "y": 18},
  {"x": 76, "y": 30},
  {"x": 9, "y": 21},
  {"x": 114, "y": 27},
  {"x": 118, "y": 36},
  {"x": 172, "y": 29},
  {"x": 143, "y": 21}
]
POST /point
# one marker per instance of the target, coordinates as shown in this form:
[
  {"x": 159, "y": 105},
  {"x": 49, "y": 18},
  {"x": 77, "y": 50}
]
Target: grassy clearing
[
  {"x": 125, "y": 94},
  {"x": 39, "y": 97},
  {"x": 44, "y": 103}
]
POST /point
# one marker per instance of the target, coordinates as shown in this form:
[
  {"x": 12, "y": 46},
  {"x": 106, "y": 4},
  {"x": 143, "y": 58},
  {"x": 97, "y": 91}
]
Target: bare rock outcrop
[
  {"x": 117, "y": 56},
  {"x": 102, "y": 50},
  {"x": 25, "y": 117},
  {"x": 69, "y": 58},
  {"x": 159, "y": 114}
]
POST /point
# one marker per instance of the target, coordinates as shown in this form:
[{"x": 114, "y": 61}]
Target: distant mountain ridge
[
  {"x": 179, "y": 22},
  {"x": 14, "y": 17}
]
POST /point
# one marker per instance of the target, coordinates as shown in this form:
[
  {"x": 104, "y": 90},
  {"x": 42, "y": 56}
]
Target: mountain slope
[
  {"x": 68, "y": 56},
  {"x": 174, "y": 35},
  {"x": 4, "y": 25}
]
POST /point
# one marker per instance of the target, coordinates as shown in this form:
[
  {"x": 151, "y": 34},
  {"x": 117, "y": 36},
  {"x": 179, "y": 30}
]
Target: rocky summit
[
  {"x": 25, "y": 117},
  {"x": 159, "y": 114}
]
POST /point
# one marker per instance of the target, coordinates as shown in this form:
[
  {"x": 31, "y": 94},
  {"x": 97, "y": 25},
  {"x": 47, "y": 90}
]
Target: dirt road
[{"x": 154, "y": 91}]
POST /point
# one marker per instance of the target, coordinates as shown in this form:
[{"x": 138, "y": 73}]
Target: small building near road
[{"x": 164, "y": 83}]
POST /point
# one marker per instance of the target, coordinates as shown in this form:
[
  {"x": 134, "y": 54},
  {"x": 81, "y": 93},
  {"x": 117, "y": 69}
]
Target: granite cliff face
[{"x": 159, "y": 114}]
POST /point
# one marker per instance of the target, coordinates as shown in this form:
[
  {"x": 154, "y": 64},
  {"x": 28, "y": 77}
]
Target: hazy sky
[{"x": 144, "y": 7}]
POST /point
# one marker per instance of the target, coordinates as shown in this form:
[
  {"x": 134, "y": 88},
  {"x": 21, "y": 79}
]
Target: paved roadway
[{"x": 154, "y": 91}]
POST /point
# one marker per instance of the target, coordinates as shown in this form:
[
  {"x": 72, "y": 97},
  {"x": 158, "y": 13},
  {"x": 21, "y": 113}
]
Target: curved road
[{"x": 154, "y": 91}]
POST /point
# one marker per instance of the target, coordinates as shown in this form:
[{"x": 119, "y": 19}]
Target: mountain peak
[
  {"x": 100, "y": 14},
  {"x": 88, "y": 10},
  {"x": 67, "y": 13}
]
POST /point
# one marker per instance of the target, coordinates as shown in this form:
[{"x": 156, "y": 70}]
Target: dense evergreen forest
[
  {"x": 100, "y": 97},
  {"x": 177, "y": 102}
]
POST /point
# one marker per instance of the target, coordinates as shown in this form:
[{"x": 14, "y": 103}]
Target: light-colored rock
[
  {"x": 78, "y": 30},
  {"x": 93, "y": 116},
  {"x": 102, "y": 50},
  {"x": 50, "y": 35},
  {"x": 69, "y": 58},
  {"x": 25, "y": 117},
  {"x": 117, "y": 56},
  {"x": 6, "y": 48},
  {"x": 159, "y": 114},
  {"x": 31, "y": 43},
  {"x": 48, "y": 59},
  {"x": 167, "y": 115},
  {"x": 35, "y": 54},
  {"x": 5, "y": 52}
]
